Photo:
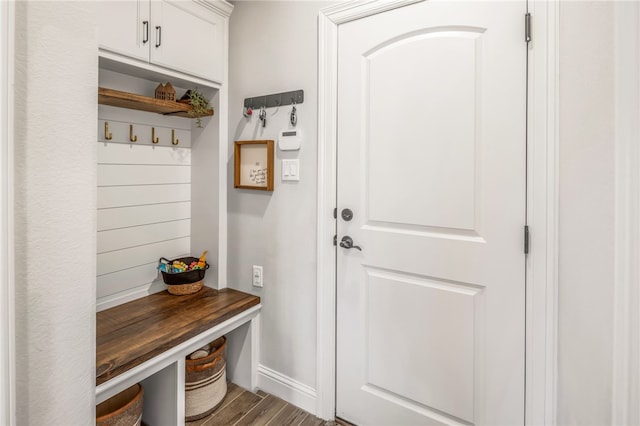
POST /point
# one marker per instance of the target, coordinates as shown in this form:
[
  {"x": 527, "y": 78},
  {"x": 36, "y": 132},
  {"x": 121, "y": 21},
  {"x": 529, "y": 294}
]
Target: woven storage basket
[
  {"x": 206, "y": 382},
  {"x": 123, "y": 409},
  {"x": 183, "y": 283},
  {"x": 183, "y": 289}
]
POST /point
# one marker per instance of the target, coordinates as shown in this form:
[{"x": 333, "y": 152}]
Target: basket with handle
[
  {"x": 124, "y": 408},
  {"x": 182, "y": 283},
  {"x": 206, "y": 381},
  {"x": 186, "y": 277}
]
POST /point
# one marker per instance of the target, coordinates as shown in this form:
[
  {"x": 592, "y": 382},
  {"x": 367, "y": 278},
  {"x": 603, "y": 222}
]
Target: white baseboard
[{"x": 286, "y": 388}]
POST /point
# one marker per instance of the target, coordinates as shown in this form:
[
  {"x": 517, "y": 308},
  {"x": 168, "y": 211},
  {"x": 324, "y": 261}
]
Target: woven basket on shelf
[
  {"x": 206, "y": 382},
  {"x": 187, "y": 282},
  {"x": 183, "y": 289},
  {"x": 123, "y": 409}
]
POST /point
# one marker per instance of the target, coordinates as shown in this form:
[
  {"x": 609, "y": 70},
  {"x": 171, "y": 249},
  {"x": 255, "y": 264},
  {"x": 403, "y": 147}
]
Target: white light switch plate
[
  {"x": 291, "y": 170},
  {"x": 257, "y": 276}
]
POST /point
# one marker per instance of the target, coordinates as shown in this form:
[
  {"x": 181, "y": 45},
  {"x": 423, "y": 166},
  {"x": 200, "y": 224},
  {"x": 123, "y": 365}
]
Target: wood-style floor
[{"x": 243, "y": 408}]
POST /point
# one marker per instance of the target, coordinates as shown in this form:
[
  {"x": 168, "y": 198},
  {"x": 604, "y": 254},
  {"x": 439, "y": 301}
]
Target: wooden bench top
[{"x": 134, "y": 332}]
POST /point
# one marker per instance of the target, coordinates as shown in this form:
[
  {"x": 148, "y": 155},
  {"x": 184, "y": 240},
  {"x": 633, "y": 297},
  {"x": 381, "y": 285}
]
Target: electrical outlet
[{"x": 257, "y": 276}]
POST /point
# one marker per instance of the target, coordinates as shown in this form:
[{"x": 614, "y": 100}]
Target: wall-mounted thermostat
[{"x": 290, "y": 140}]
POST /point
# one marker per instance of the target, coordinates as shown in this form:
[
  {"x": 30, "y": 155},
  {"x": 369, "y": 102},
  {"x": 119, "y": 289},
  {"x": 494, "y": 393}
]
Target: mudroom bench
[{"x": 147, "y": 340}]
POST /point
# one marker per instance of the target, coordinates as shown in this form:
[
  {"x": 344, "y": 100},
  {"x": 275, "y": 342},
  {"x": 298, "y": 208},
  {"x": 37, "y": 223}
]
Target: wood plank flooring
[{"x": 244, "y": 408}]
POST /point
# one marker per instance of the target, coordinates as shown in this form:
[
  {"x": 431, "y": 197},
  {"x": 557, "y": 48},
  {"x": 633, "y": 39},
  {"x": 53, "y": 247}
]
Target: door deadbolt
[{"x": 347, "y": 214}]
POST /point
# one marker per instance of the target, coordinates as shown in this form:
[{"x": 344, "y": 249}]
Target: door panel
[
  {"x": 444, "y": 104},
  {"x": 431, "y": 159},
  {"x": 431, "y": 354}
]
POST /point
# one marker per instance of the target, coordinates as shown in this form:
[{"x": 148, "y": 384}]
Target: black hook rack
[{"x": 276, "y": 100}]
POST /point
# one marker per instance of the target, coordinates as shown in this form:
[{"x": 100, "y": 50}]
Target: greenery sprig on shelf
[{"x": 199, "y": 105}]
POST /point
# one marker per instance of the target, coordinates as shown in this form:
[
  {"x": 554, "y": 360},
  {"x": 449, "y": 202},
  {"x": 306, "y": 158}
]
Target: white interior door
[{"x": 431, "y": 160}]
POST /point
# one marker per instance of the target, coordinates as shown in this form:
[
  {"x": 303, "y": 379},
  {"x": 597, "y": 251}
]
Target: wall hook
[
  {"x": 153, "y": 136},
  {"x": 294, "y": 114},
  {"x": 108, "y": 136},
  {"x": 247, "y": 111},
  {"x": 263, "y": 116},
  {"x": 174, "y": 141},
  {"x": 275, "y": 100},
  {"x": 132, "y": 138}
]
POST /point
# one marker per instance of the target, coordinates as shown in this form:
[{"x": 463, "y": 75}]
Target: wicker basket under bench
[{"x": 146, "y": 341}]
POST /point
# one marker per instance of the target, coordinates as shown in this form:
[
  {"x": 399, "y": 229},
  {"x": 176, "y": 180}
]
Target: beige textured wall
[{"x": 55, "y": 209}]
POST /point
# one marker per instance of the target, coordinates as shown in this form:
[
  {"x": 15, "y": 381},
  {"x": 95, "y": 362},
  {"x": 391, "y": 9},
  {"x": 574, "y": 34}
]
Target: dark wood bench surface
[{"x": 134, "y": 332}]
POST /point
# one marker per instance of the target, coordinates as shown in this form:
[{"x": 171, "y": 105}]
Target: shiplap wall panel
[
  {"x": 117, "y": 282},
  {"x": 121, "y": 133},
  {"x": 114, "y": 153},
  {"x": 127, "y": 174},
  {"x": 141, "y": 215},
  {"x": 126, "y": 196},
  {"x": 144, "y": 200},
  {"x": 119, "y": 260},
  {"x": 119, "y": 239},
  {"x": 106, "y": 112},
  {"x": 119, "y": 120}
]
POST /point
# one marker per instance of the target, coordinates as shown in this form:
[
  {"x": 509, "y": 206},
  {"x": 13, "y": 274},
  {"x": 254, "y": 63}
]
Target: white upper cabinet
[
  {"x": 123, "y": 27},
  {"x": 183, "y": 36},
  {"x": 186, "y": 39}
]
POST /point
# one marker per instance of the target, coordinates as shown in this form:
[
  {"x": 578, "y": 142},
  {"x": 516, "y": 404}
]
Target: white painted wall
[
  {"x": 55, "y": 208},
  {"x": 7, "y": 372},
  {"x": 273, "y": 48},
  {"x": 586, "y": 221},
  {"x": 626, "y": 351}
]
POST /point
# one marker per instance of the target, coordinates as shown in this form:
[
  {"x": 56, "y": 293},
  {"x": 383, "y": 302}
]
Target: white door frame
[
  {"x": 541, "y": 293},
  {"x": 626, "y": 331},
  {"x": 7, "y": 328}
]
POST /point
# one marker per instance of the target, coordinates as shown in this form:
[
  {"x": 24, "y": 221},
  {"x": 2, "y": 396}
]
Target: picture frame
[{"x": 253, "y": 165}]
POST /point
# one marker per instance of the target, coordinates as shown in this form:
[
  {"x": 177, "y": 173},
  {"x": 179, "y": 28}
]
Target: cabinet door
[
  {"x": 190, "y": 38},
  {"x": 122, "y": 28}
]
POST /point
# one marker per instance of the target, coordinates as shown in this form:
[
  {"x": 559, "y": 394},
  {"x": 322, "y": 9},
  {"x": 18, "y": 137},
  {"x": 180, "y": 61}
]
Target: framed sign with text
[{"x": 253, "y": 166}]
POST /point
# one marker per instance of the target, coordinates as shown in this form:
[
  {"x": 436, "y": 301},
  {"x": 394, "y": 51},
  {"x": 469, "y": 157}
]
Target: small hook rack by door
[{"x": 275, "y": 100}]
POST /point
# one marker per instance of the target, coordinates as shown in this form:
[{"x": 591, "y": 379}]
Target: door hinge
[
  {"x": 526, "y": 239},
  {"x": 335, "y": 240},
  {"x": 335, "y": 212},
  {"x": 527, "y": 27}
]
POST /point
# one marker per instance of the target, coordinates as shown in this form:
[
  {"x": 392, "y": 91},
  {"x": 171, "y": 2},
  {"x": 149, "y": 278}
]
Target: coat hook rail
[{"x": 275, "y": 100}]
